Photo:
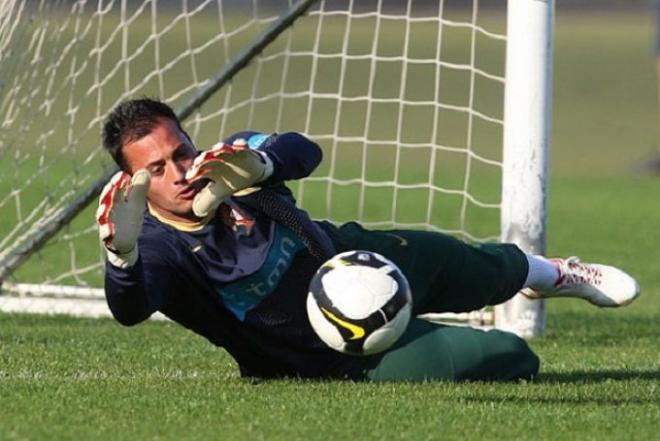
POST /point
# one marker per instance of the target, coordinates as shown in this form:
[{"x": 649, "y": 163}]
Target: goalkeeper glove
[
  {"x": 233, "y": 169},
  {"x": 120, "y": 216}
]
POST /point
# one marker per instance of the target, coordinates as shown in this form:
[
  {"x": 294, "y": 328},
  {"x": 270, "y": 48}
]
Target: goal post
[
  {"x": 527, "y": 113},
  {"x": 410, "y": 102}
]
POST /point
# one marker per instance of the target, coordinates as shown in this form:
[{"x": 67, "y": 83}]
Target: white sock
[{"x": 543, "y": 273}]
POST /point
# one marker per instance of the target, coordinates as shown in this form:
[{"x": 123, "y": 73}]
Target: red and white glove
[
  {"x": 120, "y": 216},
  {"x": 233, "y": 169}
]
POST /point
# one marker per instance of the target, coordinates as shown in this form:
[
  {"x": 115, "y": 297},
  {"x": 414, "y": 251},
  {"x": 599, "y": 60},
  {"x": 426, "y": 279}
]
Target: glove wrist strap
[
  {"x": 123, "y": 260},
  {"x": 269, "y": 168}
]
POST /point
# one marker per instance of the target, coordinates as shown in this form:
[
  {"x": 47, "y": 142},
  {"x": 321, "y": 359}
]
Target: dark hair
[{"x": 131, "y": 120}]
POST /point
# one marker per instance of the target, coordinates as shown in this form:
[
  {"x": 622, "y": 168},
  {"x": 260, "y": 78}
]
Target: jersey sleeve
[
  {"x": 134, "y": 293},
  {"x": 294, "y": 156}
]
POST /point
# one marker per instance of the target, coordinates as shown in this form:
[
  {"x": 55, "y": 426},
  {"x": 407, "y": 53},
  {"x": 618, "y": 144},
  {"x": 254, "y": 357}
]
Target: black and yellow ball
[{"x": 359, "y": 303}]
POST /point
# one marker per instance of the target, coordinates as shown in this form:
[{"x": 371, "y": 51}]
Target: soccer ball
[{"x": 359, "y": 303}]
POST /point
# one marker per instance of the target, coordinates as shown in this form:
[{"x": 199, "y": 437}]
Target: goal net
[{"x": 405, "y": 98}]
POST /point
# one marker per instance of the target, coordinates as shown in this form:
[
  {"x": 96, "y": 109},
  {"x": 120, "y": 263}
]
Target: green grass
[
  {"x": 74, "y": 378},
  {"x": 90, "y": 379},
  {"x": 63, "y": 378}
]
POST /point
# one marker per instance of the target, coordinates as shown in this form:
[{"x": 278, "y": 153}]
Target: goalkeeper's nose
[{"x": 178, "y": 171}]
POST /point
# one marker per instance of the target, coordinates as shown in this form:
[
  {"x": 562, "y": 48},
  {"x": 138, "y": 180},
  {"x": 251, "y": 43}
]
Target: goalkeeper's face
[{"x": 167, "y": 153}]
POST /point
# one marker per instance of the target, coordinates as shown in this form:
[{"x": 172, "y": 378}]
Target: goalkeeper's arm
[
  {"x": 120, "y": 216},
  {"x": 134, "y": 294}
]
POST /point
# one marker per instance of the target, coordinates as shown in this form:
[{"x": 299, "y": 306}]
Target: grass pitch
[
  {"x": 68, "y": 378},
  {"x": 63, "y": 378}
]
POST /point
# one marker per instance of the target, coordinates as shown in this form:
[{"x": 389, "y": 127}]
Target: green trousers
[{"x": 445, "y": 275}]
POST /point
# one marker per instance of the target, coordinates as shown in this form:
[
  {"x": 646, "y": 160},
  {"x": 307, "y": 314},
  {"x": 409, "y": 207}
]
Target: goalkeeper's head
[{"x": 146, "y": 133}]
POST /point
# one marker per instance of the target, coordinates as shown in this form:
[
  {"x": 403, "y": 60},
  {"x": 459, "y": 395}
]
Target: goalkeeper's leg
[
  {"x": 445, "y": 274},
  {"x": 429, "y": 351}
]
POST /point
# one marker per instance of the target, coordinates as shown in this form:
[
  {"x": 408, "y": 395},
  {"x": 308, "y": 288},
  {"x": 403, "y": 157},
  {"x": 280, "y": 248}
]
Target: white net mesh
[{"x": 405, "y": 99}]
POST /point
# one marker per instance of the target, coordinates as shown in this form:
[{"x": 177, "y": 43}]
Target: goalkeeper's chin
[{"x": 181, "y": 210}]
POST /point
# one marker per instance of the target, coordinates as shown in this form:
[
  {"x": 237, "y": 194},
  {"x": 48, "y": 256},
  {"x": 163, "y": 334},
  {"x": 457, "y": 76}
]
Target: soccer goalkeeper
[{"x": 213, "y": 240}]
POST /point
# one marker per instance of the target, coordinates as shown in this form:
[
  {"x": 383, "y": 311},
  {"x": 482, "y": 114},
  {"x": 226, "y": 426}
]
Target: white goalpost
[
  {"x": 431, "y": 114},
  {"x": 527, "y": 112}
]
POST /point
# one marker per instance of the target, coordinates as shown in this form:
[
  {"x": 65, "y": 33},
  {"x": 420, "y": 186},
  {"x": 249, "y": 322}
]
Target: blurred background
[
  {"x": 74, "y": 378},
  {"x": 604, "y": 143}
]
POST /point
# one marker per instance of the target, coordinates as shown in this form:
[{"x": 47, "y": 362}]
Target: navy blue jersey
[{"x": 240, "y": 280}]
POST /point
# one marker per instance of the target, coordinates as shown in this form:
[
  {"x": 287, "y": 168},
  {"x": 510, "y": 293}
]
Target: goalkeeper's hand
[
  {"x": 233, "y": 170},
  {"x": 120, "y": 216}
]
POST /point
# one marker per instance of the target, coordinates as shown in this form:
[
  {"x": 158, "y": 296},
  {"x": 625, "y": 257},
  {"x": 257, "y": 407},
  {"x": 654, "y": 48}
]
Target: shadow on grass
[
  {"x": 579, "y": 393},
  {"x": 590, "y": 377}
]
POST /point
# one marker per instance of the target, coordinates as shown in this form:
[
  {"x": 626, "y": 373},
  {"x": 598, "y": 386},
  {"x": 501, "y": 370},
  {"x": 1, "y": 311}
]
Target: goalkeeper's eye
[
  {"x": 156, "y": 170},
  {"x": 184, "y": 152}
]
